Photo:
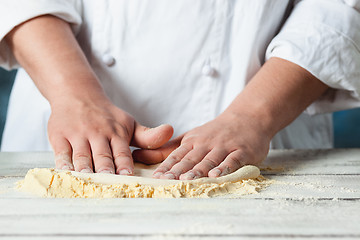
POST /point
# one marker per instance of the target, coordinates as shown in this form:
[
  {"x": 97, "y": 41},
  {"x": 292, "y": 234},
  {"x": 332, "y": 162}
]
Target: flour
[{"x": 47, "y": 182}]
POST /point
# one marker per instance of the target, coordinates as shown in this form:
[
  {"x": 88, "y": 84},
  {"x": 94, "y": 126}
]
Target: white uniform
[{"x": 183, "y": 61}]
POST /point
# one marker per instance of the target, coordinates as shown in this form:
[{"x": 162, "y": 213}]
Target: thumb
[{"x": 151, "y": 138}]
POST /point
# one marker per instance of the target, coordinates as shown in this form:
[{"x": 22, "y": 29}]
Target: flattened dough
[{"x": 48, "y": 182}]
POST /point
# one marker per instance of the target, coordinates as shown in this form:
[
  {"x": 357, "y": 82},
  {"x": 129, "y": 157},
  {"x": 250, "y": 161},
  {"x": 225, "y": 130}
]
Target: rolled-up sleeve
[
  {"x": 15, "y": 12},
  {"x": 323, "y": 37}
]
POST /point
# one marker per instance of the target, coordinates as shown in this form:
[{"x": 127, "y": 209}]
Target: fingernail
[
  {"x": 188, "y": 176},
  {"x": 169, "y": 176},
  {"x": 86, "y": 170},
  {"x": 157, "y": 174},
  {"x": 106, "y": 171},
  {"x": 124, "y": 172},
  {"x": 216, "y": 172}
]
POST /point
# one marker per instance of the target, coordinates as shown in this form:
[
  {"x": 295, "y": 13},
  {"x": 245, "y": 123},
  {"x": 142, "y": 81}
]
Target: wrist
[
  {"x": 255, "y": 114},
  {"x": 79, "y": 88},
  {"x": 276, "y": 95}
]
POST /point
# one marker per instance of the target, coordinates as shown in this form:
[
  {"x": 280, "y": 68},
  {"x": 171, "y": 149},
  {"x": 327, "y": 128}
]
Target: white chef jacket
[{"x": 183, "y": 61}]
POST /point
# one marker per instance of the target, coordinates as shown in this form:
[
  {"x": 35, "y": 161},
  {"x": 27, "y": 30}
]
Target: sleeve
[
  {"x": 323, "y": 37},
  {"x": 15, "y": 12}
]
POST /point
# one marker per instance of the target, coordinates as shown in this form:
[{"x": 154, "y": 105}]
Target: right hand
[{"x": 94, "y": 135}]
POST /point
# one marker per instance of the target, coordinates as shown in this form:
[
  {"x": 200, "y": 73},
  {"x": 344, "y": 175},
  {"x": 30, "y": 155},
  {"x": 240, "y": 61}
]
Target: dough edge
[{"x": 49, "y": 182}]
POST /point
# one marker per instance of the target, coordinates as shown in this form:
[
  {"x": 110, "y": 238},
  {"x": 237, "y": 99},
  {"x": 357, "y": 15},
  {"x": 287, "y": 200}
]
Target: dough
[{"x": 48, "y": 182}]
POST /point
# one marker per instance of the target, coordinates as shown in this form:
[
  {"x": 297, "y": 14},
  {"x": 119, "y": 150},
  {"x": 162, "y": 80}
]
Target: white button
[
  {"x": 208, "y": 71},
  {"x": 108, "y": 60}
]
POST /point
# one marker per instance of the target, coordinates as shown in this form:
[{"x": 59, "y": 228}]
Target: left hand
[
  {"x": 278, "y": 93},
  {"x": 214, "y": 149}
]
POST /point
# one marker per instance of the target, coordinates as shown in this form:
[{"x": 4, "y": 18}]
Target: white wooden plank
[
  {"x": 18, "y": 163},
  {"x": 318, "y": 161},
  {"x": 182, "y": 236},
  {"x": 312, "y": 187},
  {"x": 293, "y": 187},
  {"x": 232, "y": 217},
  {"x": 316, "y": 196}
]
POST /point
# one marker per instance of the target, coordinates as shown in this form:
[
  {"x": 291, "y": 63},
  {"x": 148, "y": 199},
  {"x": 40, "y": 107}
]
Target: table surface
[{"x": 316, "y": 195}]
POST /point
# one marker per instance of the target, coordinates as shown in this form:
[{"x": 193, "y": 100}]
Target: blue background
[
  {"x": 346, "y": 127},
  {"x": 6, "y": 82}
]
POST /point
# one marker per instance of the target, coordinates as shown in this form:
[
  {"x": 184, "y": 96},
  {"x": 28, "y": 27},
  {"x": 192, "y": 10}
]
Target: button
[
  {"x": 108, "y": 60},
  {"x": 208, "y": 71}
]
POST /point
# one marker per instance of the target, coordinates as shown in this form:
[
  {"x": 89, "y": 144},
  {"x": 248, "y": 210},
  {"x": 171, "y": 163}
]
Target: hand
[
  {"x": 95, "y": 135},
  {"x": 241, "y": 135},
  {"x": 86, "y": 131},
  {"x": 217, "y": 148}
]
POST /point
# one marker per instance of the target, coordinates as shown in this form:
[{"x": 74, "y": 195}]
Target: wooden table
[{"x": 316, "y": 195}]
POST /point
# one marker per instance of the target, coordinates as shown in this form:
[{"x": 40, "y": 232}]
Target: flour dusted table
[{"x": 316, "y": 195}]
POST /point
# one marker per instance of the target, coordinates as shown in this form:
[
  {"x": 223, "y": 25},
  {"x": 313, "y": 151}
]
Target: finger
[
  {"x": 102, "y": 156},
  {"x": 82, "y": 159},
  {"x": 155, "y": 156},
  {"x": 187, "y": 162},
  {"x": 171, "y": 160},
  {"x": 124, "y": 164},
  {"x": 210, "y": 161},
  {"x": 151, "y": 138},
  {"x": 232, "y": 162},
  {"x": 62, "y": 152}
]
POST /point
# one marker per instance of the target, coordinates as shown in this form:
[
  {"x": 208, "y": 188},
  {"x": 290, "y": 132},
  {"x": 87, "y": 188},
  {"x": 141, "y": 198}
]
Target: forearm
[
  {"x": 276, "y": 95},
  {"x": 46, "y": 47}
]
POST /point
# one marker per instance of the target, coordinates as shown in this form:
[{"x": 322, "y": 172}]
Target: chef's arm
[
  {"x": 86, "y": 131},
  {"x": 47, "y": 49},
  {"x": 241, "y": 135},
  {"x": 277, "y": 95}
]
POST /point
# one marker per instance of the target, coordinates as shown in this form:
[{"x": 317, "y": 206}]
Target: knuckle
[
  {"x": 95, "y": 131},
  {"x": 110, "y": 130},
  {"x": 122, "y": 131},
  {"x": 184, "y": 147},
  {"x": 122, "y": 154},
  {"x": 81, "y": 155},
  {"x": 106, "y": 156},
  {"x": 210, "y": 162},
  {"x": 236, "y": 161},
  {"x": 198, "y": 172},
  {"x": 172, "y": 159},
  {"x": 188, "y": 160},
  {"x": 188, "y": 139}
]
